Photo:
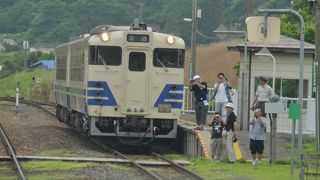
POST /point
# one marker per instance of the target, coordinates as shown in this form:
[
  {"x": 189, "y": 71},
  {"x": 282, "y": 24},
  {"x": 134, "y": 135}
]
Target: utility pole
[
  {"x": 194, "y": 36},
  {"x": 249, "y": 8},
  {"x": 317, "y": 58}
]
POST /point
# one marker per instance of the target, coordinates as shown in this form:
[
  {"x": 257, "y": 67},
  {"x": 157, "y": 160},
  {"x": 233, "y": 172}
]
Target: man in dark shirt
[
  {"x": 231, "y": 128},
  {"x": 216, "y": 136},
  {"x": 201, "y": 101}
]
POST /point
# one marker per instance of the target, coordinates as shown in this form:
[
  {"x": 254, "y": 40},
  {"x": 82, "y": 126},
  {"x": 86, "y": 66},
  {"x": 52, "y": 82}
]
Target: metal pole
[
  {"x": 17, "y": 95},
  {"x": 249, "y": 8},
  {"x": 292, "y": 147},
  {"x": 301, "y": 70},
  {"x": 194, "y": 36},
  {"x": 317, "y": 42},
  {"x": 244, "y": 93}
]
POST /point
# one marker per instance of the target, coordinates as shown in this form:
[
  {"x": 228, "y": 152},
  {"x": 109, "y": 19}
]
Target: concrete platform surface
[{"x": 243, "y": 143}]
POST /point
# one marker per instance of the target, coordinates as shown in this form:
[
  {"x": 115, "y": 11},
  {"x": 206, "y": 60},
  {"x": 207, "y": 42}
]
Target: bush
[{"x": 41, "y": 91}]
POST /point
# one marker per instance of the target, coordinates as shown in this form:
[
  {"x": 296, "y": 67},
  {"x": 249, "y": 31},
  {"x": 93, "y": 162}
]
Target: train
[{"x": 121, "y": 81}]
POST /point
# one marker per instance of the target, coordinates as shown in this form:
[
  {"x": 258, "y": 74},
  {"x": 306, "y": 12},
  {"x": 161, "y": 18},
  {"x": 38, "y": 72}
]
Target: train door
[{"x": 137, "y": 64}]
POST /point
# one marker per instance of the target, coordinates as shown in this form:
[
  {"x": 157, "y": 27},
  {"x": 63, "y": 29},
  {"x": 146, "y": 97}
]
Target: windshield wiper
[
  {"x": 164, "y": 67},
  {"x": 100, "y": 58}
]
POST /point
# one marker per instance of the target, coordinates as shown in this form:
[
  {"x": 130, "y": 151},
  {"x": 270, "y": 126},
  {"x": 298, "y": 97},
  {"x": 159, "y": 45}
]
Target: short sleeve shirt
[
  {"x": 258, "y": 132},
  {"x": 231, "y": 119},
  {"x": 264, "y": 92},
  {"x": 217, "y": 127}
]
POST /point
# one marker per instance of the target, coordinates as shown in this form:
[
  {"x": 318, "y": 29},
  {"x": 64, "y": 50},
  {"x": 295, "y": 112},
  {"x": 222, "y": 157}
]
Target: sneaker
[
  {"x": 196, "y": 128},
  {"x": 254, "y": 163}
]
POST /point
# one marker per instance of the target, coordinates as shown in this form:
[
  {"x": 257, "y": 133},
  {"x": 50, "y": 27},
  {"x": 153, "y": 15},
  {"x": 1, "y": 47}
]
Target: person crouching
[{"x": 216, "y": 136}]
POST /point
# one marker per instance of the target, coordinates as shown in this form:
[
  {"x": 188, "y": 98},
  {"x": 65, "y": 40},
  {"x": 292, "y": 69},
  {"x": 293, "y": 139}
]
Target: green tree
[{"x": 290, "y": 25}]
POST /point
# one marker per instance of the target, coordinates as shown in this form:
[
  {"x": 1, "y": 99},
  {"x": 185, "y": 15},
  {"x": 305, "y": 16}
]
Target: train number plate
[{"x": 164, "y": 108}]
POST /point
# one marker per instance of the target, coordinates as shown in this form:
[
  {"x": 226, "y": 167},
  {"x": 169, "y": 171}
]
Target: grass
[
  {"x": 58, "y": 153},
  {"x": 44, "y": 176},
  {"x": 4, "y": 56},
  {"x": 53, "y": 165},
  {"x": 8, "y": 84},
  {"x": 118, "y": 167},
  {"x": 220, "y": 170}
]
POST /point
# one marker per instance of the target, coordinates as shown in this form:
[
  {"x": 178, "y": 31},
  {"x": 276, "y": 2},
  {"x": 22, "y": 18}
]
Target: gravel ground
[{"x": 34, "y": 132}]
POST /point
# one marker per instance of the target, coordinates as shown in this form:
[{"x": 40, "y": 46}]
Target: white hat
[
  {"x": 229, "y": 105},
  {"x": 195, "y": 77}
]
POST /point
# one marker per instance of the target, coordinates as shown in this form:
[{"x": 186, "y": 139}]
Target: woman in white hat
[{"x": 231, "y": 128}]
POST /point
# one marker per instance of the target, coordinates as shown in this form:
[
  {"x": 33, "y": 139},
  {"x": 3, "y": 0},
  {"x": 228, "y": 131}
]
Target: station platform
[{"x": 241, "y": 147}]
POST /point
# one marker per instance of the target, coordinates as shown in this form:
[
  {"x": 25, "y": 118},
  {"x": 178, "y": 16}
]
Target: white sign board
[{"x": 274, "y": 107}]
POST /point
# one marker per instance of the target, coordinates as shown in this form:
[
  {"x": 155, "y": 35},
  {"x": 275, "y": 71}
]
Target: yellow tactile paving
[{"x": 236, "y": 145}]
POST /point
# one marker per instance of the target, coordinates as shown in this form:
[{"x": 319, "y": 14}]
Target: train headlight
[
  {"x": 170, "y": 40},
  {"x": 105, "y": 36}
]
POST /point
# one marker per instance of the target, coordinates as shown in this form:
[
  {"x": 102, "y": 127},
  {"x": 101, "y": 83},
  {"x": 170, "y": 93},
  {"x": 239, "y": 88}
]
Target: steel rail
[
  {"x": 117, "y": 153},
  {"x": 33, "y": 103},
  {"x": 178, "y": 167},
  {"x": 12, "y": 154},
  {"x": 8, "y": 98}
]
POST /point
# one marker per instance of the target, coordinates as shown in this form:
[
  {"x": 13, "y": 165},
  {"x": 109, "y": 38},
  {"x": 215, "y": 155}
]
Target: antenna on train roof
[
  {"x": 141, "y": 14},
  {"x": 137, "y": 25}
]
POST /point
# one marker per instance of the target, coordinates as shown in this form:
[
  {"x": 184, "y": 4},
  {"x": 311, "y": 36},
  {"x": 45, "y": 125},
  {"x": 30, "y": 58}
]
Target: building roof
[
  {"x": 49, "y": 64},
  {"x": 285, "y": 45}
]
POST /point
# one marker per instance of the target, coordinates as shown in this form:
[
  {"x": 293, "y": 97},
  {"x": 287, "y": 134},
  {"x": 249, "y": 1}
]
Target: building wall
[{"x": 287, "y": 67}]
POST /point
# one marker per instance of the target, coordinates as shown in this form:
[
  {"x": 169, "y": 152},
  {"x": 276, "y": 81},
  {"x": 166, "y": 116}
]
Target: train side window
[
  {"x": 105, "y": 55},
  {"x": 168, "y": 58},
  {"x": 137, "y": 61}
]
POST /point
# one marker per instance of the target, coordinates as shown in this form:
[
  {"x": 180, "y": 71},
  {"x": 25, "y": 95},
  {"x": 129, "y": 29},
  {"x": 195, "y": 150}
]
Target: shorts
[{"x": 256, "y": 146}]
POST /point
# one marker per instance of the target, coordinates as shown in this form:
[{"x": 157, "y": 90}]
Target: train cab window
[
  {"x": 105, "y": 55},
  {"x": 137, "y": 61},
  {"x": 168, "y": 58}
]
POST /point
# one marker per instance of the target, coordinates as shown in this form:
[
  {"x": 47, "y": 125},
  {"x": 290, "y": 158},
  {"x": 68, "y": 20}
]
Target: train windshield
[
  {"x": 168, "y": 58},
  {"x": 105, "y": 55}
]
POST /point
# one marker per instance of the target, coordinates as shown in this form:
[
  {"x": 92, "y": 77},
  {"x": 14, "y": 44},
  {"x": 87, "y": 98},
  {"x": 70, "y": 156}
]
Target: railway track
[
  {"x": 41, "y": 105},
  {"x": 178, "y": 168},
  {"x": 12, "y": 154}
]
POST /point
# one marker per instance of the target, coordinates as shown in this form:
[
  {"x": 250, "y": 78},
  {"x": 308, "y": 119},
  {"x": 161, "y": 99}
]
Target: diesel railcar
[{"x": 124, "y": 82}]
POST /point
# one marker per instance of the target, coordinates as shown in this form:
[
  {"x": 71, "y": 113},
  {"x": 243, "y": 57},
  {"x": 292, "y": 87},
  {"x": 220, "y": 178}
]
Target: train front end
[{"x": 135, "y": 84}]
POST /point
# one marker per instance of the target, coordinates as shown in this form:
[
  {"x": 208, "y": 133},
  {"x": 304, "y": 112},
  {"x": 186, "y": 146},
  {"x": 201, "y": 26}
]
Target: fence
[
  {"x": 284, "y": 124},
  {"x": 188, "y": 103}
]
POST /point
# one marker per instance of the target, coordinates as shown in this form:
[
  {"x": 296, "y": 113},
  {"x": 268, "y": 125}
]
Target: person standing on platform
[
  {"x": 216, "y": 136},
  {"x": 221, "y": 94},
  {"x": 257, "y": 135},
  {"x": 201, "y": 101},
  {"x": 263, "y": 94},
  {"x": 231, "y": 129}
]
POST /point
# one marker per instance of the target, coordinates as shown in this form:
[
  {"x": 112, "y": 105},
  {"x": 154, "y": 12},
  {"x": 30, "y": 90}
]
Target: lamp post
[
  {"x": 301, "y": 69},
  {"x": 244, "y": 89},
  {"x": 274, "y": 67},
  {"x": 194, "y": 36},
  {"x": 273, "y": 122}
]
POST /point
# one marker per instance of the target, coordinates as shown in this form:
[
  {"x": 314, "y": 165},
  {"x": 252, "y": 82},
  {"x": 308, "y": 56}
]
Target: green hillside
[
  {"x": 6, "y": 56},
  {"x": 53, "y": 22},
  {"x": 8, "y": 85}
]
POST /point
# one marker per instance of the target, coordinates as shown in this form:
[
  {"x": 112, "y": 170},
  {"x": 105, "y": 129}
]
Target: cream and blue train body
[{"x": 121, "y": 81}]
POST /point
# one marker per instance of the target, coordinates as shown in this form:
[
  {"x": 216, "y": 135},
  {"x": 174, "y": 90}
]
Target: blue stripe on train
[
  {"x": 166, "y": 95},
  {"x": 102, "y": 96}
]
